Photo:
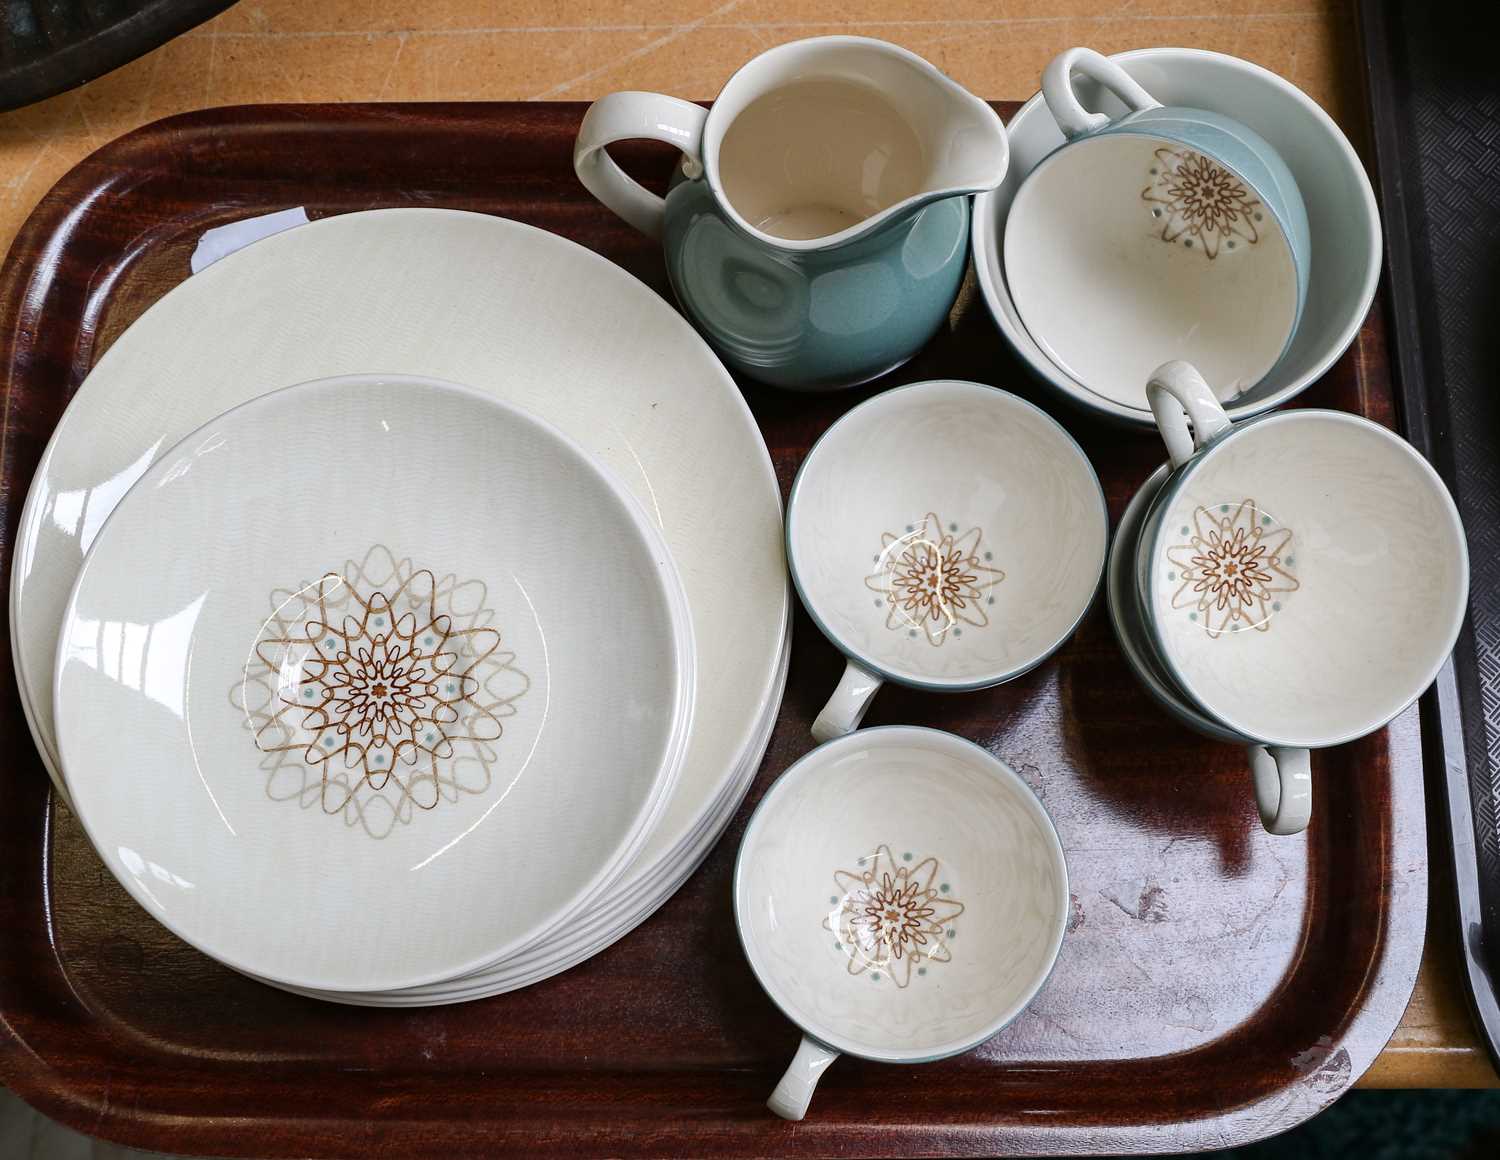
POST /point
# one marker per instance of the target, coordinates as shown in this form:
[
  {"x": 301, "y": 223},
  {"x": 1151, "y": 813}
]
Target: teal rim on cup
[
  {"x": 1299, "y": 578},
  {"x": 946, "y": 535}
]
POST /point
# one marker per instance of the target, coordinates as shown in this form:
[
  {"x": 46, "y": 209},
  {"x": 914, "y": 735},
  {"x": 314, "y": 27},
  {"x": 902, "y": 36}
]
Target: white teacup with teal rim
[
  {"x": 901, "y": 896},
  {"x": 946, "y": 535},
  {"x": 1166, "y": 232},
  {"x": 1301, "y": 577}
]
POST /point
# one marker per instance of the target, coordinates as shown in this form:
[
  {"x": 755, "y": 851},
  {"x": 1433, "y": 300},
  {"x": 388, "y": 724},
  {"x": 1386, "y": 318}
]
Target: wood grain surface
[{"x": 1217, "y": 984}]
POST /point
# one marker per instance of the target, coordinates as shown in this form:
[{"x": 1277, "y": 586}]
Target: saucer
[{"x": 406, "y": 674}]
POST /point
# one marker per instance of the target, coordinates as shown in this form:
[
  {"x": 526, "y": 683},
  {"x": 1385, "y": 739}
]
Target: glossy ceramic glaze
[
  {"x": 1303, "y": 577},
  {"x": 1134, "y": 641},
  {"x": 614, "y": 916},
  {"x": 820, "y": 318},
  {"x": 816, "y": 230},
  {"x": 1343, "y": 225},
  {"x": 901, "y": 895},
  {"x": 339, "y": 720},
  {"x": 417, "y": 291},
  {"x": 102, "y": 1006},
  {"x": 1165, "y": 233},
  {"x": 946, "y": 535}
]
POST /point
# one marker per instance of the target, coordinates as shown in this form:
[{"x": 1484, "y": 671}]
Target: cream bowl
[
  {"x": 403, "y": 678},
  {"x": 901, "y": 895},
  {"x": 1343, "y": 222}
]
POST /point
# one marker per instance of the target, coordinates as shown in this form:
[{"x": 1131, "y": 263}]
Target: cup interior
[
  {"x": 1305, "y": 577},
  {"x": 818, "y": 156},
  {"x": 901, "y": 839},
  {"x": 1341, "y": 213},
  {"x": 1125, "y": 250},
  {"x": 947, "y": 534}
]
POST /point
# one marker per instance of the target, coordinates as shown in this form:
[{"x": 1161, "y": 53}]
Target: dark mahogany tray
[{"x": 1218, "y": 985}]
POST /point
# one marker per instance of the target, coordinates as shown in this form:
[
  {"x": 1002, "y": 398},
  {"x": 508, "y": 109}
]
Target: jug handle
[
  {"x": 628, "y": 116},
  {"x": 1180, "y": 397},
  {"x": 1067, "y": 110}
]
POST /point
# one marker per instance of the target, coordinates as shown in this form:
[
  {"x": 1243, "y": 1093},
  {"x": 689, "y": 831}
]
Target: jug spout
[
  {"x": 961, "y": 140},
  {"x": 962, "y": 135},
  {"x": 821, "y": 141}
]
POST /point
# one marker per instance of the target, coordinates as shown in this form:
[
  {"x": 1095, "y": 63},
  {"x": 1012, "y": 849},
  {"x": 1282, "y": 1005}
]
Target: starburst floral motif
[
  {"x": 1201, "y": 202},
  {"x": 378, "y": 691},
  {"x": 892, "y": 917},
  {"x": 933, "y": 579},
  {"x": 1232, "y": 568}
]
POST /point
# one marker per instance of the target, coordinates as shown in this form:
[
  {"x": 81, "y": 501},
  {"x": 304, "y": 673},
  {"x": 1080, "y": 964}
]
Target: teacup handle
[
  {"x": 848, "y": 705},
  {"x": 1057, "y": 90},
  {"x": 794, "y": 1092},
  {"x": 1187, "y": 414},
  {"x": 629, "y": 116},
  {"x": 1283, "y": 787}
]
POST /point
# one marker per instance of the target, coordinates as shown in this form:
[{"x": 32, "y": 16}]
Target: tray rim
[{"x": 1388, "y": 985}]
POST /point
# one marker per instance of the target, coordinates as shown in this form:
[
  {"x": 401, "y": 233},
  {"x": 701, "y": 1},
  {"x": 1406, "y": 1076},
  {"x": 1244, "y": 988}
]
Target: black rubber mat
[
  {"x": 1435, "y": 102},
  {"x": 47, "y": 46}
]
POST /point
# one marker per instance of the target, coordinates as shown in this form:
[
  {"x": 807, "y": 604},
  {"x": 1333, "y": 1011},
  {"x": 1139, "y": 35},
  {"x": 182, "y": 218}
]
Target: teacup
[
  {"x": 1300, "y": 578},
  {"x": 1166, "y": 232},
  {"x": 901, "y": 896},
  {"x": 816, "y": 229},
  {"x": 944, "y": 535}
]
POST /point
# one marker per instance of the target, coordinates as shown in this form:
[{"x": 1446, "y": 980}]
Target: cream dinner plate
[
  {"x": 516, "y": 312},
  {"x": 350, "y": 731}
]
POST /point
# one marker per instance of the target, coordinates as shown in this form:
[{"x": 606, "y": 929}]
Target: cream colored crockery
[
  {"x": 901, "y": 895},
  {"x": 379, "y": 734},
  {"x": 816, "y": 228},
  {"x": 1301, "y": 576},
  {"x": 944, "y": 535},
  {"x": 1166, "y": 232},
  {"x": 1340, "y": 204},
  {"x": 510, "y": 310}
]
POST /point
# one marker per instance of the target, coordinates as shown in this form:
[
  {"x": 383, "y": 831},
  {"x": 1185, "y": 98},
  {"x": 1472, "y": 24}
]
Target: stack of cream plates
[{"x": 383, "y": 688}]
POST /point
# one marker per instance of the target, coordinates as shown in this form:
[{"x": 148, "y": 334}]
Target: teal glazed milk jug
[{"x": 816, "y": 229}]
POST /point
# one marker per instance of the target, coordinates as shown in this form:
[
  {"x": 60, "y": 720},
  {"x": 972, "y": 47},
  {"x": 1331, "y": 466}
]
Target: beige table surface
[{"x": 538, "y": 50}]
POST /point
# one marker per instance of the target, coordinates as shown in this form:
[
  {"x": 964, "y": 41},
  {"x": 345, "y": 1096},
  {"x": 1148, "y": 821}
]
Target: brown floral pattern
[
  {"x": 1231, "y": 568},
  {"x": 892, "y": 917},
  {"x": 932, "y": 579},
  {"x": 1201, "y": 202},
  {"x": 378, "y": 691}
]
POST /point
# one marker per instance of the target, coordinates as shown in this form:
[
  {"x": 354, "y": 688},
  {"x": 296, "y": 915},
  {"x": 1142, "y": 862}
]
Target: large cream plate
[
  {"x": 532, "y": 318},
  {"x": 347, "y": 732}
]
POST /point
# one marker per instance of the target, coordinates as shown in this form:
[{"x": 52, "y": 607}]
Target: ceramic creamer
[{"x": 816, "y": 228}]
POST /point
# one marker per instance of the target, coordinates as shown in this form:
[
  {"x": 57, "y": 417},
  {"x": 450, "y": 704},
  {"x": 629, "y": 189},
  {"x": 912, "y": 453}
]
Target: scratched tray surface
[{"x": 1216, "y": 985}]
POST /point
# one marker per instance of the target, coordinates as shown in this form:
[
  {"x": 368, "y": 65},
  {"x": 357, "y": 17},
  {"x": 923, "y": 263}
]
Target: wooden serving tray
[{"x": 1217, "y": 984}]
